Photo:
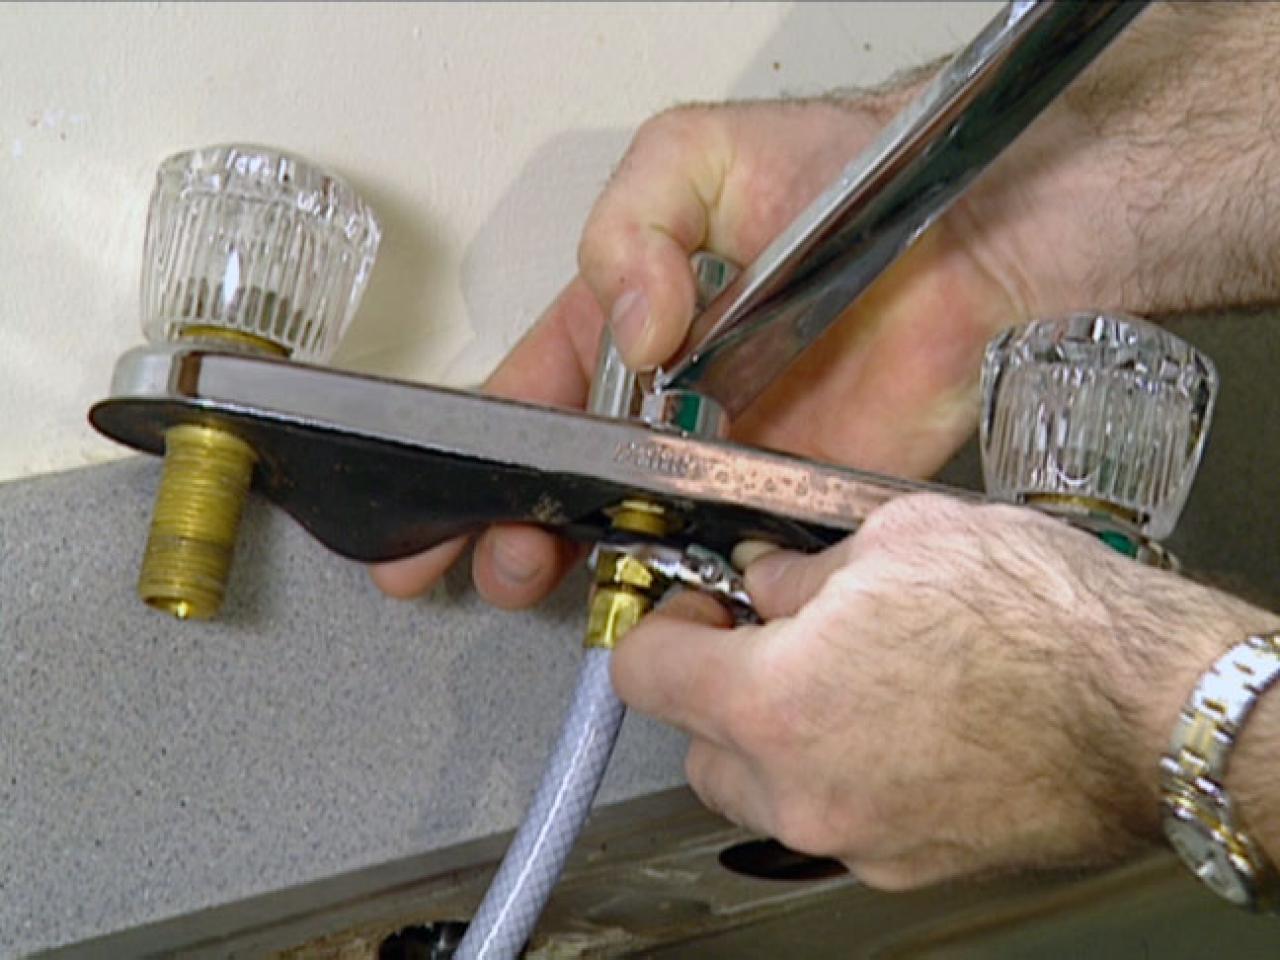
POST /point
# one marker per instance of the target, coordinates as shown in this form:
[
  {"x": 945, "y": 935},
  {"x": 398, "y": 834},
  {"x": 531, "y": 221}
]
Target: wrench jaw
[{"x": 692, "y": 567}]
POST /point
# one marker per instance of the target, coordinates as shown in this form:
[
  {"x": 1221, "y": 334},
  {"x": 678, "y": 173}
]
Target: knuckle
[
  {"x": 909, "y": 515},
  {"x": 748, "y": 711},
  {"x": 609, "y": 234},
  {"x": 1013, "y": 514},
  {"x": 696, "y": 762},
  {"x": 849, "y": 590},
  {"x": 700, "y": 773},
  {"x": 798, "y": 827},
  {"x": 777, "y": 728},
  {"x": 884, "y": 523},
  {"x": 744, "y": 723},
  {"x": 678, "y": 126},
  {"x": 709, "y": 799},
  {"x": 889, "y": 876},
  {"x": 652, "y": 131}
]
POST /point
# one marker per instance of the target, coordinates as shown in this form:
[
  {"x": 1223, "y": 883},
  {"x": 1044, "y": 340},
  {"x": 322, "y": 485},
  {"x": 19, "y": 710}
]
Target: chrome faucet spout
[{"x": 889, "y": 195}]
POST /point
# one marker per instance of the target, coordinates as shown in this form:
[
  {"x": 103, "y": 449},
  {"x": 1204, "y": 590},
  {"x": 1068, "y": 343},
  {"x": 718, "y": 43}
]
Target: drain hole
[
  {"x": 770, "y": 860},
  {"x": 432, "y": 941}
]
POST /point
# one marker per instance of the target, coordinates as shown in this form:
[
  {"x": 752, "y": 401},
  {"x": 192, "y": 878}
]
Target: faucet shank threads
[{"x": 193, "y": 528}]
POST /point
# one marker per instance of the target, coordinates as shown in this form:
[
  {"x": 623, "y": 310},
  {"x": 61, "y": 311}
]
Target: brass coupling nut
[{"x": 625, "y": 590}]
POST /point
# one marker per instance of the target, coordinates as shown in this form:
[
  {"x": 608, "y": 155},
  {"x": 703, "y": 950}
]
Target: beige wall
[{"x": 480, "y": 132}]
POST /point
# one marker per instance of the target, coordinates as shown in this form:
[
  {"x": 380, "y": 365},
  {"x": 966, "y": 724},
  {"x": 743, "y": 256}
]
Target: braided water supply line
[
  {"x": 625, "y": 589},
  {"x": 534, "y": 861}
]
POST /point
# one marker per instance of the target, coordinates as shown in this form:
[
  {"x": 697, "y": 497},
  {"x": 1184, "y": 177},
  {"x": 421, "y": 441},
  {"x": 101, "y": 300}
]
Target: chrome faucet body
[{"x": 378, "y": 469}]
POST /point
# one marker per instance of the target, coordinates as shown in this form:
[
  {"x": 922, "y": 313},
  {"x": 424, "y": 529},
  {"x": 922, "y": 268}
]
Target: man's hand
[
  {"x": 953, "y": 690},
  {"x": 1147, "y": 187},
  {"x": 899, "y": 371}
]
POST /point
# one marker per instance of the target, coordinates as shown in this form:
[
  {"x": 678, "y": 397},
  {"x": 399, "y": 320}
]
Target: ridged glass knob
[
  {"x": 247, "y": 248},
  {"x": 1099, "y": 415},
  {"x": 257, "y": 244}
]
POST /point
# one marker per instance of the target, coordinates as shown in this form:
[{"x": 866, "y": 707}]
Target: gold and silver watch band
[{"x": 1199, "y": 816}]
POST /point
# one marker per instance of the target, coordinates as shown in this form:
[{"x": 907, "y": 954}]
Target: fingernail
[
  {"x": 512, "y": 564},
  {"x": 629, "y": 317},
  {"x": 749, "y": 551}
]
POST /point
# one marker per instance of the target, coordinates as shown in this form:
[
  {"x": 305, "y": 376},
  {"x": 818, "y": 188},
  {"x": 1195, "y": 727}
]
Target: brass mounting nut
[{"x": 643, "y": 517}]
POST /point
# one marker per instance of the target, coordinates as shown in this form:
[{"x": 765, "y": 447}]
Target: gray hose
[{"x": 537, "y": 855}]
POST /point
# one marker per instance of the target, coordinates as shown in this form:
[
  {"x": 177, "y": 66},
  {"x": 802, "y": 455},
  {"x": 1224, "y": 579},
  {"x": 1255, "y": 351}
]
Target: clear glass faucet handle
[
  {"x": 1099, "y": 415},
  {"x": 251, "y": 244}
]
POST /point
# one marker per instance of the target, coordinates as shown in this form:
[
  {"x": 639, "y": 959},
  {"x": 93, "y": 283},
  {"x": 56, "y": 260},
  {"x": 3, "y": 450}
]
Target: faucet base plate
[{"x": 378, "y": 469}]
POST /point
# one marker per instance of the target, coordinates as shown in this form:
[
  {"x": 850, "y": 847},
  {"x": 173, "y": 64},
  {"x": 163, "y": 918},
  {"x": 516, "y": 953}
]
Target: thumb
[
  {"x": 782, "y": 581},
  {"x": 655, "y": 213}
]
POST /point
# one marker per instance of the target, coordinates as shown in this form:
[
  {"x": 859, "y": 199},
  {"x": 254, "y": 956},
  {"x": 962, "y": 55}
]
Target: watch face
[{"x": 1208, "y": 858}]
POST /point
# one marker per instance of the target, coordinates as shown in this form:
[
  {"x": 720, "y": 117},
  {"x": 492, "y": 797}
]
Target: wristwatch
[{"x": 1199, "y": 818}]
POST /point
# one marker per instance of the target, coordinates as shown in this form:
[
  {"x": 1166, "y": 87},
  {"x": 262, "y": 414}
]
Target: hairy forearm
[
  {"x": 1184, "y": 110},
  {"x": 1152, "y": 185}
]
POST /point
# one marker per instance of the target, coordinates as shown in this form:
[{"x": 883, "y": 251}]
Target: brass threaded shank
[
  {"x": 205, "y": 482},
  {"x": 206, "y": 478}
]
